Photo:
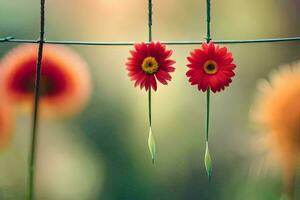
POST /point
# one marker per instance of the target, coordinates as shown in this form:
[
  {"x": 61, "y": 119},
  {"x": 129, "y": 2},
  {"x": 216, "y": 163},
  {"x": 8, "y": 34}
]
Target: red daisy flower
[
  {"x": 148, "y": 63},
  {"x": 65, "y": 80},
  {"x": 211, "y": 67}
]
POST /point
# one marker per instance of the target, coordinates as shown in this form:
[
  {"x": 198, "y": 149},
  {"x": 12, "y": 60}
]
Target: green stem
[
  {"x": 33, "y": 148},
  {"x": 207, "y": 158},
  {"x": 151, "y": 141},
  {"x": 208, "y": 38},
  {"x": 289, "y": 180},
  {"x": 149, "y": 107},
  {"x": 207, "y": 114},
  {"x": 149, "y": 39}
]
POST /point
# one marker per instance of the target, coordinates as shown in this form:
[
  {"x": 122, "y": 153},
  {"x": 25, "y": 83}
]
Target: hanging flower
[
  {"x": 211, "y": 67},
  {"x": 65, "y": 80},
  {"x": 277, "y": 109},
  {"x": 149, "y": 63}
]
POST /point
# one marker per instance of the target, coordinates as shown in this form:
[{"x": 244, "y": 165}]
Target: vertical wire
[
  {"x": 208, "y": 19},
  {"x": 33, "y": 148},
  {"x": 149, "y": 20}
]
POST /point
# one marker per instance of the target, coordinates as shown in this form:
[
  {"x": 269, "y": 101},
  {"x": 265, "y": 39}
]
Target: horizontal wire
[{"x": 10, "y": 39}]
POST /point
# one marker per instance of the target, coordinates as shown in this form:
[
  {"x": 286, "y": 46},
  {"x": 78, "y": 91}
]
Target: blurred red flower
[
  {"x": 148, "y": 63},
  {"x": 211, "y": 67},
  {"x": 65, "y": 80}
]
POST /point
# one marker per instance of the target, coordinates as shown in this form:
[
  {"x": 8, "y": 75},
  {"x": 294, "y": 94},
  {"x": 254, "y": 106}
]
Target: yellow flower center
[
  {"x": 210, "y": 67},
  {"x": 150, "y": 65}
]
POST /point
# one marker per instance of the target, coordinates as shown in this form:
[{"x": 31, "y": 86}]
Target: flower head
[
  {"x": 149, "y": 63},
  {"x": 65, "y": 81},
  {"x": 277, "y": 109},
  {"x": 211, "y": 67}
]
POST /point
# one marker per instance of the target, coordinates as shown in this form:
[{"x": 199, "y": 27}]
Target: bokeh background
[{"x": 102, "y": 153}]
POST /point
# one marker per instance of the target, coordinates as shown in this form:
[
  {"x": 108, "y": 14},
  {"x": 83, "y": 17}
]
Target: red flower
[
  {"x": 65, "y": 80},
  {"x": 148, "y": 63},
  {"x": 211, "y": 67}
]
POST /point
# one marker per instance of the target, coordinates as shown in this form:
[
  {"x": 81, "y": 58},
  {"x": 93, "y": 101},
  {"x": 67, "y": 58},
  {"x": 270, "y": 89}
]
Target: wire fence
[{"x": 41, "y": 41}]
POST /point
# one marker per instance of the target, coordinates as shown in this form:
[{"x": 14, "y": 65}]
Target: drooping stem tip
[
  {"x": 152, "y": 146},
  {"x": 208, "y": 162}
]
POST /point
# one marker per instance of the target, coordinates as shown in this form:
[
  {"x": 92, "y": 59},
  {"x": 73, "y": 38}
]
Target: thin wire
[
  {"x": 150, "y": 20},
  {"x": 208, "y": 17},
  {"x": 11, "y": 39},
  {"x": 33, "y": 149}
]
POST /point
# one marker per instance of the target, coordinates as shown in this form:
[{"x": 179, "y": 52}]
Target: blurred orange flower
[
  {"x": 277, "y": 108},
  {"x": 65, "y": 80}
]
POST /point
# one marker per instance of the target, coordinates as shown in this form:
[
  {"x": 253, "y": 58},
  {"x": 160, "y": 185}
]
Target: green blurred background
[{"x": 102, "y": 153}]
